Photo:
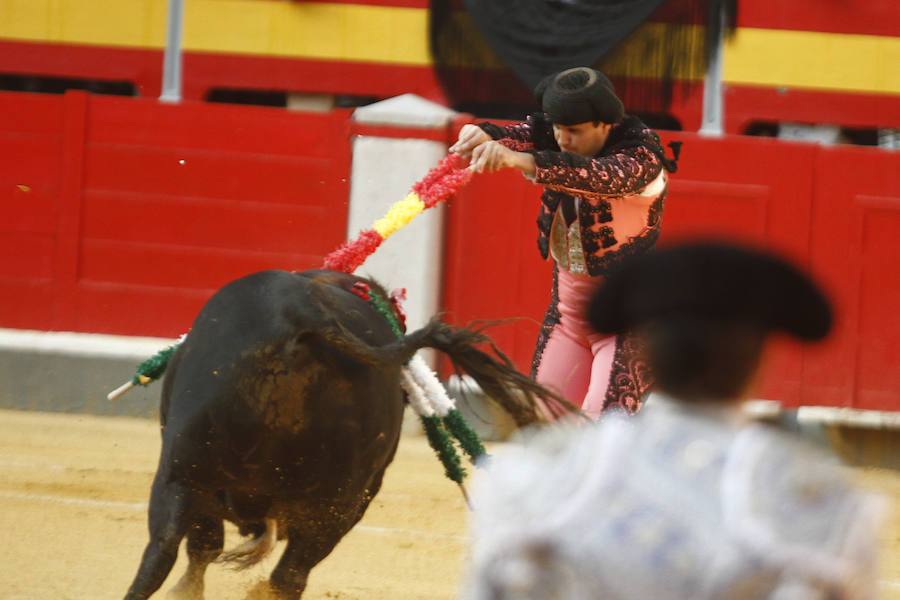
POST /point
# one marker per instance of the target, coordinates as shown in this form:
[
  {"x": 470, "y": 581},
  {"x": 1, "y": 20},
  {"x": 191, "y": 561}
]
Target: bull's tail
[
  {"x": 525, "y": 400},
  {"x": 519, "y": 395},
  {"x": 254, "y": 550}
]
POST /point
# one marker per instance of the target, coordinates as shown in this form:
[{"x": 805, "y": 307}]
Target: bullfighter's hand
[
  {"x": 470, "y": 137},
  {"x": 493, "y": 156}
]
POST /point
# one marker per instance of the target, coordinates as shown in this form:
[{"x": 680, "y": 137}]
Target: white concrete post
[
  {"x": 171, "y": 84},
  {"x": 713, "y": 103},
  {"x": 383, "y": 172}
]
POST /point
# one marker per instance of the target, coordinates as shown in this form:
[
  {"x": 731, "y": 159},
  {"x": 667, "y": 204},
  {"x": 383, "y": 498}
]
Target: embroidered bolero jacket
[{"x": 619, "y": 193}]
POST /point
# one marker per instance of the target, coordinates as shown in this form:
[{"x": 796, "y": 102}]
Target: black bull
[{"x": 280, "y": 412}]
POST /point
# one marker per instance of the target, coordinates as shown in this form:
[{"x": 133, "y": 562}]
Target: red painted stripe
[
  {"x": 863, "y": 17},
  {"x": 141, "y": 67},
  {"x": 205, "y": 71},
  {"x": 677, "y": 12},
  {"x": 745, "y": 104},
  {"x": 866, "y": 17}
]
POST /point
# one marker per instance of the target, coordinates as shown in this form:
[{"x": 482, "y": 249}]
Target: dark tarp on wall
[
  {"x": 476, "y": 53},
  {"x": 539, "y": 37}
]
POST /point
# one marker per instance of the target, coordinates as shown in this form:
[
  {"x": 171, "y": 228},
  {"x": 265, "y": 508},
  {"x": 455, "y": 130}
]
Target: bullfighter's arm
[
  {"x": 625, "y": 171},
  {"x": 515, "y": 137}
]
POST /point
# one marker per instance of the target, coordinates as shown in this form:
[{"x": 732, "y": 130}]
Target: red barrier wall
[
  {"x": 106, "y": 230},
  {"x": 835, "y": 210},
  {"x": 124, "y": 215}
]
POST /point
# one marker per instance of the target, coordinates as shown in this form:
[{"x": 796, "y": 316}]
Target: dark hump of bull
[{"x": 258, "y": 398}]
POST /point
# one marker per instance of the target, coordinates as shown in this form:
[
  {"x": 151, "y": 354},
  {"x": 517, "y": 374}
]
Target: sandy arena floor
[{"x": 73, "y": 493}]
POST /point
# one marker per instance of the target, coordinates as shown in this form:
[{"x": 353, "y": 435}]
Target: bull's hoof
[
  {"x": 262, "y": 591},
  {"x": 186, "y": 590}
]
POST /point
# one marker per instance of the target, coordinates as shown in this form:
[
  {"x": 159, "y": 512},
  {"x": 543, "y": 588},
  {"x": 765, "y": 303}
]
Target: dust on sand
[{"x": 73, "y": 494}]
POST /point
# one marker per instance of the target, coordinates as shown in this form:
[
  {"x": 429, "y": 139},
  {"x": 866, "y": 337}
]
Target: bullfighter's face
[{"x": 582, "y": 138}]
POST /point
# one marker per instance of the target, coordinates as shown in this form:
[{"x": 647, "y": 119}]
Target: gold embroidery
[{"x": 565, "y": 245}]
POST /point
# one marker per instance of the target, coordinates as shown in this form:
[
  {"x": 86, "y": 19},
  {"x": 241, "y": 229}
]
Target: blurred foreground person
[{"x": 689, "y": 499}]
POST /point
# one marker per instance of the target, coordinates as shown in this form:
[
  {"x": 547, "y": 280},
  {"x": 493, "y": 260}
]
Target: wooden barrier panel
[
  {"x": 129, "y": 213},
  {"x": 855, "y": 246},
  {"x": 123, "y": 215},
  {"x": 31, "y": 153},
  {"x": 752, "y": 190},
  {"x": 492, "y": 268}
]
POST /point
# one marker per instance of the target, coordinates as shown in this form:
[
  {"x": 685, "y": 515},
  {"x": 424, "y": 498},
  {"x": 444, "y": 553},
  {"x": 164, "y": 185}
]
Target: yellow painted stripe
[
  {"x": 396, "y": 35},
  {"x": 129, "y": 23},
  {"x": 314, "y": 30},
  {"x": 801, "y": 59},
  {"x": 309, "y": 29}
]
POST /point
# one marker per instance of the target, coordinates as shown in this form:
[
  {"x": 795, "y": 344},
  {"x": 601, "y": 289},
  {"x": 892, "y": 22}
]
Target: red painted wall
[
  {"x": 104, "y": 229},
  {"x": 124, "y": 215},
  {"x": 855, "y": 244}
]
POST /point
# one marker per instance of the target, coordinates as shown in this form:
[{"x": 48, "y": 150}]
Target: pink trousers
[{"x": 576, "y": 362}]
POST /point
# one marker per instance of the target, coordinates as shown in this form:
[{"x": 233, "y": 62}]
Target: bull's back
[{"x": 257, "y": 396}]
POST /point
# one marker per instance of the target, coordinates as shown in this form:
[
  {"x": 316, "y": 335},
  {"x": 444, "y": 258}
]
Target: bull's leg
[
  {"x": 205, "y": 539},
  {"x": 168, "y": 519},
  {"x": 303, "y": 552}
]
